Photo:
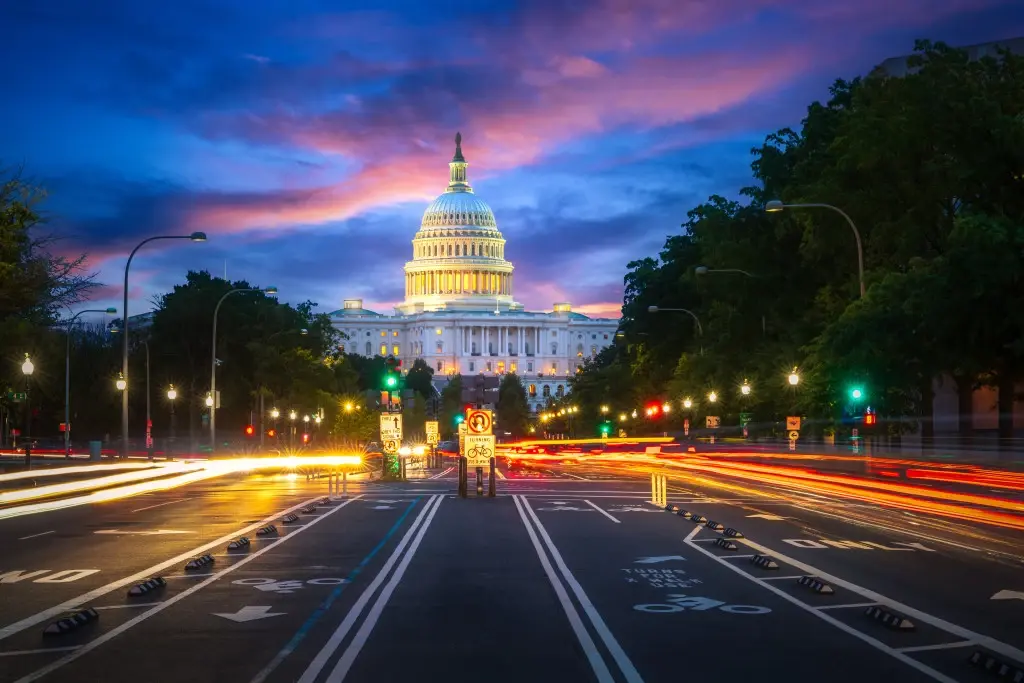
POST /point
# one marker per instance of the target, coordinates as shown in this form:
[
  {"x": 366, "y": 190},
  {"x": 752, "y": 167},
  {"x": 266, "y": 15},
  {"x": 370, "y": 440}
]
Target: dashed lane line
[
  {"x": 25, "y": 538},
  {"x": 159, "y": 505},
  {"x": 113, "y": 633},
  {"x": 939, "y": 646},
  {"x": 40, "y": 651}
]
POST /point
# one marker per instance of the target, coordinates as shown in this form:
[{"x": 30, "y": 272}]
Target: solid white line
[
  {"x": 25, "y": 538},
  {"x": 328, "y": 650},
  {"x": 575, "y": 476},
  {"x": 498, "y": 473},
  {"x": 170, "y": 502},
  {"x": 849, "y": 605},
  {"x": 602, "y": 511},
  {"x": 629, "y": 672},
  {"x": 940, "y": 646},
  {"x": 140, "y": 604},
  {"x": 113, "y": 633},
  {"x": 780, "y": 578},
  {"x": 734, "y": 557},
  {"x": 582, "y": 635},
  {"x": 187, "y": 576},
  {"x": 14, "y": 653},
  {"x": 874, "y": 642},
  {"x": 341, "y": 669},
  {"x": 910, "y": 612}
]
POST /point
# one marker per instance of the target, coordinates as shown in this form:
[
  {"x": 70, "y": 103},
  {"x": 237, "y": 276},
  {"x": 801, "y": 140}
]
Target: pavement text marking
[
  {"x": 679, "y": 602},
  {"x": 824, "y": 543},
  {"x": 62, "y": 576}
]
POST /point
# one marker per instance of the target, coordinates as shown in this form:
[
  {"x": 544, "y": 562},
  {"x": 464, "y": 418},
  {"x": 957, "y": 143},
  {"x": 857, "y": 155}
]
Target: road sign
[
  {"x": 856, "y": 433},
  {"x": 794, "y": 435},
  {"x": 686, "y": 427},
  {"x": 16, "y": 396},
  {"x": 390, "y": 446},
  {"x": 433, "y": 435},
  {"x": 622, "y": 433},
  {"x": 713, "y": 421},
  {"x": 391, "y": 427},
  {"x": 745, "y": 419},
  {"x": 63, "y": 427},
  {"x": 479, "y": 421},
  {"x": 479, "y": 449},
  {"x": 793, "y": 423}
]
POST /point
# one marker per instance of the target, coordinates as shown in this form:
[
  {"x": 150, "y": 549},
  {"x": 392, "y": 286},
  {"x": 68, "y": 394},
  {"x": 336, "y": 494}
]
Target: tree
[
  {"x": 451, "y": 405},
  {"x": 355, "y": 423},
  {"x": 513, "y": 410},
  {"x": 420, "y": 379}
]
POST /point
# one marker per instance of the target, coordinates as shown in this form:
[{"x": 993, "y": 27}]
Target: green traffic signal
[
  {"x": 459, "y": 419},
  {"x": 390, "y": 381},
  {"x": 856, "y": 394}
]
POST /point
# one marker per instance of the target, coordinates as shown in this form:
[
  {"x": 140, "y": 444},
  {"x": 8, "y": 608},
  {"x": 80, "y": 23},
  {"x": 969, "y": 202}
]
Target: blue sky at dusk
[{"x": 306, "y": 138}]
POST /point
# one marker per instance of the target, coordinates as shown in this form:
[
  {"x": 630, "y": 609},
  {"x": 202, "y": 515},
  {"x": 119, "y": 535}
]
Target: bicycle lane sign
[{"x": 479, "y": 449}]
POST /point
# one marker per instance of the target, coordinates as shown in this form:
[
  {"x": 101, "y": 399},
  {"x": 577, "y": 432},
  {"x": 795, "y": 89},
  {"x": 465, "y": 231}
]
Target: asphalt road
[{"x": 568, "y": 574}]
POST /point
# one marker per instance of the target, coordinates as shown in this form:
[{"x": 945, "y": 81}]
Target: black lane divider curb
[
  {"x": 672, "y": 508},
  {"x": 726, "y": 543},
  {"x": 324, "y": 501},
  {"x": 716, "y": 526},
  {"x": 147, "y": 586},
  {"x": 199, "y": 562},
  {"x": 71, "y": 621},
  {"x": 815, "y": 584},
  {"x": 238, "y": 543},
  {"x": 732, "y": 533},
  {"x": 698, "y": 519},
  {"x": 268, "y": 529},
  {"x": 685, "y": 514},
  {"x": 309, "y": 509},
  {"x": 891, "y": 619},
  {"x": 289, "y": 518},
  {"x": 764, "y": 562},
  {"x": 984, "y": 660}
]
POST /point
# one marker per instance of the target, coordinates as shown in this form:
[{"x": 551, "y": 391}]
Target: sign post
[
  {"x": 712, "y": 422},
  {"x": 480, "y": 454},
  {"x": 390, "y": 441},
  {"x": 433, "y": 438}
]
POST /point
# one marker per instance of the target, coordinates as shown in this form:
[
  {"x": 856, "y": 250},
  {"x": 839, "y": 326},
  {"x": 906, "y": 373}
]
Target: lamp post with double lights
[
  {"x": 213, "y": 360},
  {"x": 67, "y": 374},
  {"x": 775, "y": 206},
  {"x": 696, "y": 320},
  {"x": 172, "y": 395},
  {"x": 27, "y": 368},
  {"x": 704, "y": 270},
  {"x": 194, "y": 237}
]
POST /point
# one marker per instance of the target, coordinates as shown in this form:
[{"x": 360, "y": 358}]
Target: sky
[{"x": 307, "y": 137}]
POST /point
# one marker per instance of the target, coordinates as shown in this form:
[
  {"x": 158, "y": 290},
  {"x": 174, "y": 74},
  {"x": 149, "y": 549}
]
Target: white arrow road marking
[
  {"x": 774, "y": 518},
  {"x": 384, "y": 501},
  {"x": 124, "y": 532},
  {"x": 250, "y": 613},
  {"x": 660, "y": 558},
  {"x": 1008, "y": 595},
  {"x": 383, "y": 507}
]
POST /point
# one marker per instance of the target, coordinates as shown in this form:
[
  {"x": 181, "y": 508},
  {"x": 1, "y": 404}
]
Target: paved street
[{"x": 569, "y": 574}]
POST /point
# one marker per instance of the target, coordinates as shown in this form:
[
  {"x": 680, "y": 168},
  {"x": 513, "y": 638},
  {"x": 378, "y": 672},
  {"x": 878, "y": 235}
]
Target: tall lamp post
[
  {"x": 213, "y": 360},
  {"x": 194, "y": 237},
  {"x": 696, "y": 320},
  {"x": 27, "y": 368},
  {"x": 704, "y": 270},
  {"x": 172, "y": 394},
  {"x": 67, "y": 375},
  {"x": 775, "y": 206}
]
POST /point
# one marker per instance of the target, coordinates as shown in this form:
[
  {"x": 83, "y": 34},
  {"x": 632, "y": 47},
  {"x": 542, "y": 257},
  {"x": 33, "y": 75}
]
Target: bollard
[
  {"x": 463, "y": 484},
  {"x": 344, "y": 483},
  {"x": 479, "y": 481},
  {"x": 490, "y": 480}
]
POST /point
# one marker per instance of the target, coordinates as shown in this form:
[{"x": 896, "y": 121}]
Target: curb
[
  {"x": 199, "y": 562},
  {"x": 698, "y": 519},
  {"x": 890, "y": 619},
  {"x": 72, "y": 621},
  {"x": 726, "y": 543},
  {"x": 672, "y": 508},
  {"x": 147, "y": 586},
  {"x": 238, "y": 543},
  {"x": 1006, "y": 670},
  {"x": 685, "y": 514},
  {"x": 715, "y": 526},
  {"x": 289, "y": 518},
  {"x": 815, "y": 584},
  {"x": 764, "y": 562},
  {"x": 268, "y": 529},
  {"x": 732, "y": 533},
  {"x": 308, "y": 509}
]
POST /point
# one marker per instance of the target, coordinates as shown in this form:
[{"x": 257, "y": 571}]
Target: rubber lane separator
[
  {"x": 308, "y": 510},
  {"x": 714, "y": 526},
  {"x": 1006, "y": 670},
  {"x": 146, "y": 586},
  {"x": 698, "y": 519},
  {"x": 199, "y": 562},
  {"x": 764, "y": 562},
  {"x": 242, "y": 542},
  {"x": 815, "y": 584},
  {"x": 726, "y": 543},
  {"x": 897, "y": 622},
  {"x": 288, "y": 519},
  {"x": 732, "y": 533},
  {"x": 266, "y": 530},
  {"x": 72, "y": 621},
  {"x": 685, "y": 514}
]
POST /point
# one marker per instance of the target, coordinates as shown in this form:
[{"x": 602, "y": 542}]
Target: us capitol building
[{"x": 459, "y": 313}]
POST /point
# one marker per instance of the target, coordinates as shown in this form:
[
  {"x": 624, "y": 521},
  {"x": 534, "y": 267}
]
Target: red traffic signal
[
  {"x": 305, "y": 438},
  {"x": 271, "y": 433},
  {"x": 249, "y": 430}
]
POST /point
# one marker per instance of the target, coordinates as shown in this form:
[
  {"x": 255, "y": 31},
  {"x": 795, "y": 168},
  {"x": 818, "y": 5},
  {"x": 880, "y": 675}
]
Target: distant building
[
  {"x": 897, "y": 66},
  {"x": 459, "y": 313}
]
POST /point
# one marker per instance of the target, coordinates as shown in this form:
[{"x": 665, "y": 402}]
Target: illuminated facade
[{"x": 459, "y": 314}]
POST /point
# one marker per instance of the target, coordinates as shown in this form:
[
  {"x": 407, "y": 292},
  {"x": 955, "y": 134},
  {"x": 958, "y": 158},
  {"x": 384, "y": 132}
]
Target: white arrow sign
[
  {"x": 1008, "y": 595},
  {"x": 661, "y": 558},
  {"x": 774, "y": 518},
  {"x": 250, "y": 613}
]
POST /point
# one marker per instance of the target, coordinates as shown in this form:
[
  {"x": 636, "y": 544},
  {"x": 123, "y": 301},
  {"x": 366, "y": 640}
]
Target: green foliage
[
  {"x": 512, "y": 411},
  {"x": 451, "y": 405},
  {"x": 355, "y": 422},
  {"x": 420, "y": 379}
]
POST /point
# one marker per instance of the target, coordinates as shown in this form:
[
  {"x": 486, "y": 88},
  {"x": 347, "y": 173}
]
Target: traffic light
[
  {"x": 856, "y": 394},
  {"x": 249, "y": 430},
  {"x": 305, "y": 438},
  {"x": 606, "y": 428},
  {"x": 459, "y": 419},
  {"x": 271, "y": 433},
  {"x": 390, "y": 381}
]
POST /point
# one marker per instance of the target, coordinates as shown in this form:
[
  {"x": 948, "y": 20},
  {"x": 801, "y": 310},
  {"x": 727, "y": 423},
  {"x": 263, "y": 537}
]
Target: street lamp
[
  {"x": 292, "y": 415},
  {"x": 696, "y": 320},
  {"x": 775, "y": 206},
  {"x": 687, "y": 403},
  {"x": 121, "y": 383},
  {"x": 794, "y": 378},
  {"x": 348, "y": 406},
  {"x": 275, "y": 413},
  {"x": 213, "y": 359},
  {"x": 67, "y": 374},
  {"x": 745, "y": 389},
  {"x": 172, "y": 394},
  {"x": 27, "y": 368},
  {"x": 666, "y": 408},
  {"x": 209, "y": 401},
  {"x": 622, "y": 417},
  {"x": 712, "y": 397},
  {"x": 604, "y": 410},
  {"x": 305, "y": 418}
]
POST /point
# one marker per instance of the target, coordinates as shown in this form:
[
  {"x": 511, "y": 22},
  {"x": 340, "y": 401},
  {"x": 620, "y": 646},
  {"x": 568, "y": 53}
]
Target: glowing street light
[
  {"x": 604, "y": 409},
  {"x": 794, "y": 378},
  {"x": 121, "y": 383},
  {"x": 275, "y": 413},
  {"x": 687, "y": 403},
  {"x": 666, "y": 408},
  {"x": 622, "y": 417},
  {"x": 712, "y": 397},
  {"x": 172, "y": 393},
  {"x": 292, "y": 415},
  {"x": 348, "y": 406},
  {"x": 209, "y": 401},
  {"x": 305, "y": 418},
  {"x": 745, "y": 389},
  {"x": 27, "y": 368}
]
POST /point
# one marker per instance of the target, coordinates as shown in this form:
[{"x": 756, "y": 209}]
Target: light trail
[{"x": 79, "y": 469}]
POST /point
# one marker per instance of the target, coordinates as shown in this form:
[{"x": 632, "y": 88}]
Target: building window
[
  {"x": 593, "y": 350},
  {"x": 472, "y": 366},
  {"x": 488, "y": 367},
  {"x": 383, "y": 349},
  {"x": 512, "y": 367},
  {"x": 367, "y": 333},
  {"x": 545, "y": 391},
  {"x": 440, "y": 366},
  {"x": 554, "y": 333},
  {"x": 438, "y": 331},
  {"x": 606, "y": 337},
  {"x": 529, "y": 366},
  {"x": 501, "y": 367},
  {"x": 394, "y": 349},
  {"x": 533, "y": 390},
  {"x": 554, "y": 348},
  {"x": 383, "y": 333},
  {"x": 554, "y": 367},
  {"x": 440, "y": 347},
  {"x": 593, "y": 336},
  {"x": 579, "y": 336},
  {"x": 369, "y": 349},
  {"x": 559, "y": 391},
  {"x": 394, "y": 333}
]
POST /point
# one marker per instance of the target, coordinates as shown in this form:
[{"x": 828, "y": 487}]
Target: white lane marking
[
  {"x": 629, "y": 672},
  {"x": 874, "y": 642},
  {"x": 327, "y": 651},
  {"x": 25, "y": 538},
  {"x": 910, "y": 612},
  {"x": 940, "y": 646},
  {"x": 187, "y": 576},
  {"x": 341, "y": 669},
  {"x": 499, "y": 474},
  {"x": 41, "y": 651},
  {"x": 441, "y": 473},
  {"x": 582, "y": 635},
  {"x": 734, "y": 557},
  {"x": 113, "y": 633},
  {"x": 575, "y": 476},
  {"x": 849, "y": 605},
  {"x": 602, "y": 511},
  {"x": 40, "y": 617},
  {"x": 170, "y": 502},
  {"x": 140, "y": 604},
  {"x": 781, "y": 578}
]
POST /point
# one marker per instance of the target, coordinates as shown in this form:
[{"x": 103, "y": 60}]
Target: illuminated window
[
  {"x": 501, "y": 367},
  {"x": 383, "y": 333},
  {"x": 488, "y": 367},
  {"x": 440, "y": 365},
  {"x": 438, "y": 330},
  {"x": 394, "y": 349},
  {"x": 593, "y": 350},
  {"x": 533, "y": 390},
  {"x": 554, "y": 367},
  {"x": 394, "y": 333},
  {"x": 383, "y": 349},
  {"x": 511, "y": 367},
  {"x": 472, "y": 366}
]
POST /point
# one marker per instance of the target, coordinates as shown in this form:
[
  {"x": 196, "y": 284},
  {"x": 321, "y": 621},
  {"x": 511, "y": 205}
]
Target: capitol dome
[{"x": 458, "y": 253}]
